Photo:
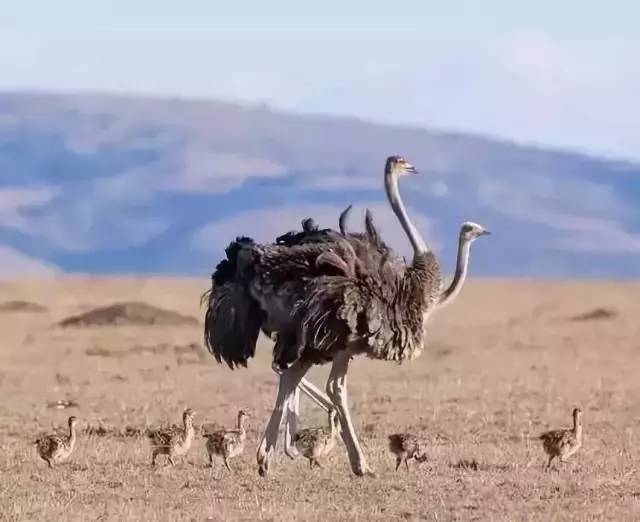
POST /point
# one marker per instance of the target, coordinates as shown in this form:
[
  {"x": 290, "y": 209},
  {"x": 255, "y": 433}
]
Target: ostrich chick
[
  {"x": 173, "y": 441},
  {"x": 227, "y": 443},
  {"x": 563, "y": 443},
  {"x": 54, "y": 448},
  {"x": 316, "y": 443},
  {"x": 406, "y": 446}
]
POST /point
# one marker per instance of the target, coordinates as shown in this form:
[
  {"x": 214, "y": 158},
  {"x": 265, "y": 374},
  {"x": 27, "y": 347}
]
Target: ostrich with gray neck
[{"x": 328, "y": 301}]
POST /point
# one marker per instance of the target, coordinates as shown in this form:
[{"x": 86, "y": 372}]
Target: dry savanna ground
[{"x": 507, "y": 361}]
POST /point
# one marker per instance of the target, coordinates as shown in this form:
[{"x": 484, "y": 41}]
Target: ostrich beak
[
  {"x": 411, "y": 169},
  {"x": 485, "y": 232}
]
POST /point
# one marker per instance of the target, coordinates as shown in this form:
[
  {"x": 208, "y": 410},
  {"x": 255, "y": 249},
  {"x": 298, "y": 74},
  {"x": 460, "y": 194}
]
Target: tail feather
[
  {"x": 342, "y": 220},
  {"x": 373, "y": 235},
  {"x": 233, "y": 318},
  {"x": 231, "y": 325},
  {"x": 226, "y": 269}
]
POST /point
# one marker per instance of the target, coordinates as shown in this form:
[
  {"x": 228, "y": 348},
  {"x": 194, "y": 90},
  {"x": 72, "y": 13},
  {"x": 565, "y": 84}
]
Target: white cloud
[
  {"x": 520, "y": 85},
  {"x": 14, "y": 264},
  {"x": 591, "y": 234},
  {"x": 92, "y": 225},
  {"x": 585, "y": 223},
  {"x": 265, "y": 224},
  {"x": 105, "y": 213},
  {"x": 202, "y": 170},
  {"x": 15, "y": 200},
  {"x": 338, "y": 182},
  {"x": 542, "y": 65}
]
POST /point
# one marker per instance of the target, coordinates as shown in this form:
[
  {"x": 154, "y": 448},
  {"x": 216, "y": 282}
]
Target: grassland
[{"x": 507, "y": 361}]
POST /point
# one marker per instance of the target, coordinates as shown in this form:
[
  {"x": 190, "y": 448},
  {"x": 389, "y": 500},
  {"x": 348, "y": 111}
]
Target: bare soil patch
[
  {"x": 129, "y": 313},
  {"x": 21, "y": 306},
  {"x": 596, "y": 314}
]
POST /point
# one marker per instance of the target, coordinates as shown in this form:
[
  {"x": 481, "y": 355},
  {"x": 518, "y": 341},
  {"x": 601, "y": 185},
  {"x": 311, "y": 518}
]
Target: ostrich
[
  {"x": 564, "y": 442},
  {"x": 312, "y": 234},
  {"x": 328, "y": 301},
  {"x": 315, "y": 443},
  {"x": 469, "y": 232}
]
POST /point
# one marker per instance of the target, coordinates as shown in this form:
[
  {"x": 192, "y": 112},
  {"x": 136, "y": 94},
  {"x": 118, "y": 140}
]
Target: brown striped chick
[
  {"x": 227, "y": 443},
  {"x": 317, "y": 443},
  {"x": 173, "y": 441},
  {"x": 54, "y": 448},
  {"x": 563, "y": 443},
  {"x": 406, "y": 446}
]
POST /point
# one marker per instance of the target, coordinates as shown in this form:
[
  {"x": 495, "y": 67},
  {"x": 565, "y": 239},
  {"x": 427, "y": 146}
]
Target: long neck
[
  {"x": 72, "y": 434},
  {"x": 459, "y": 277},
  {"x": 188, "y": 427},
  {"x": 577, "y": 428},
  {"x": 393, "y": 194},
  {"x": 240, "y": 423}
]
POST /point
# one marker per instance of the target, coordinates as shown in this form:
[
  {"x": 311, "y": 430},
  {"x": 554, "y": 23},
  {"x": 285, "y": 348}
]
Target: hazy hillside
[{"x": 98, "y": 184}]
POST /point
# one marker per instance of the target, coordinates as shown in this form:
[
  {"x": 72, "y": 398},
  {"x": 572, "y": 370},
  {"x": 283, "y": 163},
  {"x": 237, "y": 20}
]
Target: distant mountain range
[{"x": 110, "y": 184}]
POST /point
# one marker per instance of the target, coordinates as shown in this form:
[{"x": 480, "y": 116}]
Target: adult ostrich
[
  {"x": 469, "y": 232},
  {"x": 311, "y": 233},
  {"x": 224, "y": 344},
  {"x": 327, "y": 301}
]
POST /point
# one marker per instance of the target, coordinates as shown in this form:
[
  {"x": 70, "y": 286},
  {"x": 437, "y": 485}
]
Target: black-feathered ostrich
[{"x": 328, "y": 299}]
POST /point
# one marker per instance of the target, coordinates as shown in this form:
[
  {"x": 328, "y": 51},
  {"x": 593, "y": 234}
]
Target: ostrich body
[
  {"x": 227, "y": 443},
  {"x": 328, "y": 298},
  {"x": 317, "y": 443},
  {"x": 406, "y": 446},
  {"x": 54, "y": 448},
  {"x": 173, "y": 442},
  {"x": 565, "y": 442}
]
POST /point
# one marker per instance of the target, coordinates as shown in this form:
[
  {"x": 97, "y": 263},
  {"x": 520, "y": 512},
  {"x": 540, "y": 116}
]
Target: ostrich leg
[
  {"x": 293, "y": 412},
  {"x": 336, "y": 381},
  {"x": 337, "y": 391},
  {"x": 291, "y": 423},
  {"x": 315, "y": 394},
  {"x": 289, "y": 380}
]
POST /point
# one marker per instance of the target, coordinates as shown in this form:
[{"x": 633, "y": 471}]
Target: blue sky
[{"x": 555, "y": 73}]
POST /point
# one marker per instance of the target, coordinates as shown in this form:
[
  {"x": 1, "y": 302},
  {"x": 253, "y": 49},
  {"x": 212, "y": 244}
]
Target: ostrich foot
[
  {"x": 291, "y": 452},
  {"x": 263, "y": 468},
  {"x": 363, "y": 471}
]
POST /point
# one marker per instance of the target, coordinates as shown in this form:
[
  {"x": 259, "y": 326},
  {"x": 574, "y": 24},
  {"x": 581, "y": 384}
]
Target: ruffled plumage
[
  {"x": 172, "y": 441},
  {"x": 227, "y": 443},
  {"x": 406, "y": 446},
  {"x": 54, "y": 448}
]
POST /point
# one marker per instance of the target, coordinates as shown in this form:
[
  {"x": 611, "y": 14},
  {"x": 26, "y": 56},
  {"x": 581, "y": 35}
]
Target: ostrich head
[
  {"x": 471, "y": 231},
  {"x": 187, "y": 417},
  {"x": 398, "y": 166},
  {"x": 577, "y": 414},
  {"x": 73, "y": 421},
  {"x": 242, "y": 415}
]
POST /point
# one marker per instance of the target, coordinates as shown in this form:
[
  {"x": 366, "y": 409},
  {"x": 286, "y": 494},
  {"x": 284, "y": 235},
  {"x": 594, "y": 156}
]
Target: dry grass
[{"x": 504, "y": 364}]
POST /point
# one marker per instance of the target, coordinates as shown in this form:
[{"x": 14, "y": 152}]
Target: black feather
[
  {"x": 233, "y": 318},
  {"x": 342, "y": 220},
  {"x": 226, "y": 269},
  {"x": 310, "y": 234},
  {"x": 373, "y": 235}
]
